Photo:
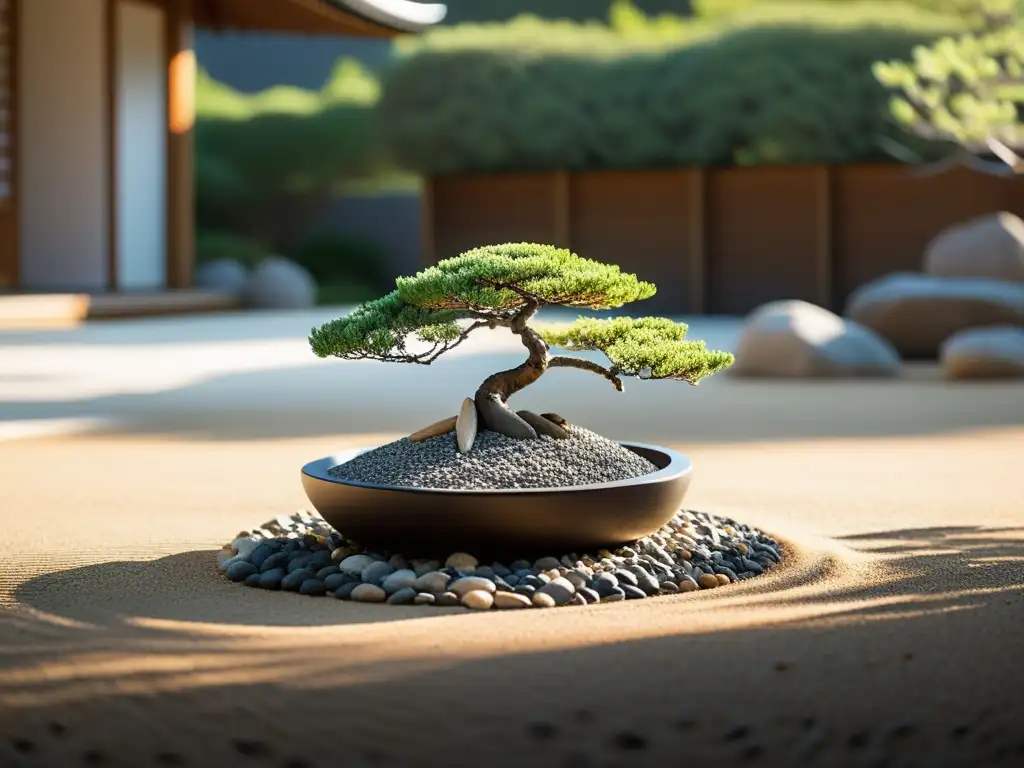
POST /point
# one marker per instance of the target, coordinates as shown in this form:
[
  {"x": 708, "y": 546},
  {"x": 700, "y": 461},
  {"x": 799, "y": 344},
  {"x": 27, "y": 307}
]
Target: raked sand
[{"x": 894, "y": 629}]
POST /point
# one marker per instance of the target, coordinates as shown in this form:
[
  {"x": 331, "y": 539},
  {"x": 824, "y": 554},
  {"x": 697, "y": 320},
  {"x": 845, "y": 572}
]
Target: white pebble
[
  {"x": 507, "y": 600},
  {"x": 543, "y": 600},
  {"x": 468, "y": 584},
  {"x": 461, "y": 561},
  {"x": 478, "y": 599}
]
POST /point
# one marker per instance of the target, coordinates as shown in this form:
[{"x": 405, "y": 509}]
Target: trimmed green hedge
[
  {"x": 793, "y": 84},
  {"x": 463, "y": 11},
  {"x": 268, "y": 164}
]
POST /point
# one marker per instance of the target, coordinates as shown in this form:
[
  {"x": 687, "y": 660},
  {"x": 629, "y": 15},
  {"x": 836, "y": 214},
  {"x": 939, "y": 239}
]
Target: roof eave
[
  {"x": 399, "y": 15},
  {"x": 361, "y": 18}
]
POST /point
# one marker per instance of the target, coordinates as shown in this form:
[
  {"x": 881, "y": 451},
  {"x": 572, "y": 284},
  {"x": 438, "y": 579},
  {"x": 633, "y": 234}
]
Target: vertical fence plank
[
  {"x": 698, "y": 244},
  {"x": 885, "y": 217},
  {"x": 428, "y": 246},
  {"x": 473, "y": 210},
  {"x": 762, "y": 236},
  {"x": 637, "y": 219},
  {"x": 562, "y": 214},
  {"x": 825, "y": 211},
  {"x": 10, "y": 252}
]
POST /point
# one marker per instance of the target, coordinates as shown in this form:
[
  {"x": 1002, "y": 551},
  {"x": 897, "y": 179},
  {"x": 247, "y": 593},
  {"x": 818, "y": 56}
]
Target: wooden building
[{"x": 96, "y": 114}]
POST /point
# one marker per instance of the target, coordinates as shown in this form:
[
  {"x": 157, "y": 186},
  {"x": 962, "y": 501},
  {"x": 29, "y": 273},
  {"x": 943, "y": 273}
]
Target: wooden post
[
  {"x": 824, "y": 267},
  {"x": 181, "y": 78},
  {"x": 10, "y": 251},
  {"x": 697, "y": 226},
  {"x": 562, "y": 209},
  {"x": 111, "y": 65},
  {"x": 428, "y": 244}
]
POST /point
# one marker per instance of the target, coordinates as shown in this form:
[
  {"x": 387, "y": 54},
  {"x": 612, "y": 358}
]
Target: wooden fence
[{"x": 720, "y": 240}]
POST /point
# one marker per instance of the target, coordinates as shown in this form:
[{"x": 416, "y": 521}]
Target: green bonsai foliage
[
  {"x": 966, "y": 90},
  {"x": 505, "y": 286}
]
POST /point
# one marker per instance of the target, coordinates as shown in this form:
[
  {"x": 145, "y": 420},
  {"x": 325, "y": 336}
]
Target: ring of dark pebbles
[{"x": 693, "y": 551}]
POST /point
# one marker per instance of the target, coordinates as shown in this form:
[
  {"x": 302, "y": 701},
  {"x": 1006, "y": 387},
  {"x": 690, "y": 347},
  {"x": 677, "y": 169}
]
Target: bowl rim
[{"x": 678, "y": 466}]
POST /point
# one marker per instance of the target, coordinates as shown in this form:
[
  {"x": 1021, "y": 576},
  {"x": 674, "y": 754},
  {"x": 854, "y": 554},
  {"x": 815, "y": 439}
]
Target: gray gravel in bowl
[{"x": 496, "y": 462}]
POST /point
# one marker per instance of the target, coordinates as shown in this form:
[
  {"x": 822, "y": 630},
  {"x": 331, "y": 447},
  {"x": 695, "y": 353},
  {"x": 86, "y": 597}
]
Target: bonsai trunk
[{"x": 501, "y": 386}]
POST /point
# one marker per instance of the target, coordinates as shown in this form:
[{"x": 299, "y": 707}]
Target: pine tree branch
[
  {"x": 673, "y": 377},
  {"x": 492, "y": 319},
  {"x": 561, "y": 361},
  {"x": 423, "y": 358}
]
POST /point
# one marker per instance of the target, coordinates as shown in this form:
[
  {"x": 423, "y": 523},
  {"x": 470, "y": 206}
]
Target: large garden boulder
[
  {"x": 226, "y": 275},
  {"x": 791, "y": 339},
  {"x": 989, "y": 246},
  {"x": 984, "y": 353},
  {"x": 916, "y": 313},
  {"x": 279, "y": 283}
]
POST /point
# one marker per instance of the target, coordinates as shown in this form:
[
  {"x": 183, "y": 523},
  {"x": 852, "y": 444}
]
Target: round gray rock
[
  {"x": 916, "y": 313},
  {"x": 990, "y": 246},
  {"x": 435, "y": 581},
  {"x": 994, "y": 352},
  {"x": 355, "y": 564},
  {"x": 376, "y": 572},
  {"x": 796, "y": 339},
  {"x": 368, "y": 593},
  {"x": 226, "y": 275},
  {"x": 399, "y": 580},
  {"x": 471, "y": 584},
  {"x": 561, "y": 590},
  {"x": 279, "y": 283}
]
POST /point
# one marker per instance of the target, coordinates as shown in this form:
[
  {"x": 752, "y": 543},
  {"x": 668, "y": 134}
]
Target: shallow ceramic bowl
[{"x": 433, "y": 522}]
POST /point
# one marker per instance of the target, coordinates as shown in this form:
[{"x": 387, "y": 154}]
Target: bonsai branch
[
  {"x": 566, "y": 299},
  {"x": 437, "y": 349},
  {"x": 526, "y": 296},
  {"x": 586, "y": 365}
]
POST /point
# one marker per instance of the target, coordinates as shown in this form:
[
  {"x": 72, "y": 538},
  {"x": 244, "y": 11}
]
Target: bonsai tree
[
  {"x": 504, "y": 286},
  {"x": 967, "y": 90}
]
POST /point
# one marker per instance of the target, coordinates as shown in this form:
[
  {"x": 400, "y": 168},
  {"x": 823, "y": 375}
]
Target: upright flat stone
[
  {"x": 542, "y": 426},
  {"x": 497, "y": 418},
  {"x": 466, "y": 425}
]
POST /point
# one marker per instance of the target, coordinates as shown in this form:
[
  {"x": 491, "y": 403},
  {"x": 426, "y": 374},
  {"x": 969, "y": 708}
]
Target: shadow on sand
[
  {"x": 187, "y": 587},
  {"x": 96, "y": 634}
]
